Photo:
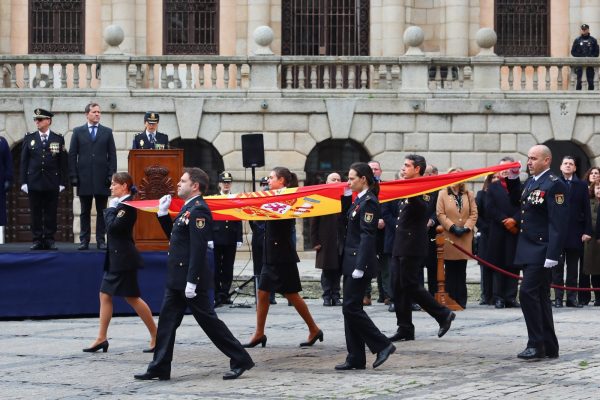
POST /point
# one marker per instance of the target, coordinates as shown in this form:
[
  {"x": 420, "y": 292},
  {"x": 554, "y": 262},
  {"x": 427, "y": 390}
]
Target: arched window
[
  {"x": 202, "y": 154},
  {"x": 561, "y": 148}
]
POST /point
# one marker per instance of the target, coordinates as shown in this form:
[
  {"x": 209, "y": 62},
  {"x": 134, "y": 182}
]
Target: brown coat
[
  {"x": 448, "y": 215},
  {"x": 324, "y": 231}
]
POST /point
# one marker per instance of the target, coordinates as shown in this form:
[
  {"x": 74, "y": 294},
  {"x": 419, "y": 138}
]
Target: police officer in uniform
[
  {"x": 188, "y": 279},
  {"x": 409, "y": 254},
  {"x": 585, "y": 46},
  {"x": 544, "y": 216},
  {"x": 43, "y": 175},
  {"x": 227, "y": 238},
  {"x": 151, "y": 138}
]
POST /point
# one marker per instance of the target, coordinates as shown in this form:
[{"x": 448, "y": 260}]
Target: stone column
[
  {"x": 415, "y": 75},
  {"x": 258, "y": 15},
  {"x": 154, "y": 28},
  {"x": 393, "y": 17},
  {"x": 486, "y": 65},
  {"x": 457, "y": 28},
  {"x": 113, "y": 63},
  {"x": 590, "y": 14},
  {"x": 123, "y": 12},
  {"x": 5, "y": 27},
  {"x": 263, "y": 65}
]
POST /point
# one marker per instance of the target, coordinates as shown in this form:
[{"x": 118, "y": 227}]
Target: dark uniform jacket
[
  {"x": 6, "y": 175},
  {"x": 189, "y": 234},
  {"x": 360, "y": 251},
  {"x": 580, "y": 219},
  {"x": 141, "y": 140},
  {"x": 227, "y": 232},
  {"x": 279, "y": 245},
  {"x": 411, "y": 227},
  {"x": 389, "y": 214},
  {"x": 585, "y": 46},
  {"x": 498, "y": 207},
  {"x": 121, "y": 254},
  {"x": 544, "y": 216},
  {"x": 92, "y": 162},
  {"x": 43, "y": 168}
]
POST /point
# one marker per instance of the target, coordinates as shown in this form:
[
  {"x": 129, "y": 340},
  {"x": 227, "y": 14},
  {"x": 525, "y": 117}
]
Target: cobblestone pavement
[{"x": 42, "y": 359}]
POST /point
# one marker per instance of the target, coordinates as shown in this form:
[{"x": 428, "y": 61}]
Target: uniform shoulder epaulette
[
  {"x": 29, "y": 133},
  {"x": 553, "y": 178}
]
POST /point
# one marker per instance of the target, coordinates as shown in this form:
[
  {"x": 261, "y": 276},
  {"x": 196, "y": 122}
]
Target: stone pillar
[
  {"x": 263, "y": 65},
  {"x": 415, "y": 75},
  {"x": 258, "y": 15},
  {"x": 113, "y": 64},
  {"x": 154, "y": 36},
  {"x": 457, "y": 28},
  {"x": 486, "y": 65},
  {"x": 393, "y": 16},
  {"x": 123, "y": 12},
  {"x": 5, "y": 27},
  {"x": 590, "y": 14}
]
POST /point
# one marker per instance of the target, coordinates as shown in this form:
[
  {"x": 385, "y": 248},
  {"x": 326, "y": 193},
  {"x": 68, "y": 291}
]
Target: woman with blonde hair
[{"x": 457, "y": 213}]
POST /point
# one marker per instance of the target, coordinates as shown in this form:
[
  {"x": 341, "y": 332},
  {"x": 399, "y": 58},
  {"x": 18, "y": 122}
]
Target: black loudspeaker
[{"x": 253, "y": 150}]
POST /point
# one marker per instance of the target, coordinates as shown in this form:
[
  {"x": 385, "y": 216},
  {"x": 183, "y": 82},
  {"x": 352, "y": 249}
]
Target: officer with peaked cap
[
  {"x": 150, "y": 138},
  {"x": 43, "y": 176}
]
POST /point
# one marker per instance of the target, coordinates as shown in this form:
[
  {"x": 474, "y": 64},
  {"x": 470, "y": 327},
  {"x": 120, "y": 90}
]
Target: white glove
[
  {"x": 24, "y": 188},
  {"x": 60, "y": 188},
  {"x": 210, "y": 244},
  {"x": 238, "y": 244},
  {"x": 550, "y": 263},
  {"x": 113, "y": 202},
  {"x": 357, "y": 273},
  {"x": 190, "y": 290},
  {"x": 347, "y": 191},
  {"x": 163, "y": 205}
]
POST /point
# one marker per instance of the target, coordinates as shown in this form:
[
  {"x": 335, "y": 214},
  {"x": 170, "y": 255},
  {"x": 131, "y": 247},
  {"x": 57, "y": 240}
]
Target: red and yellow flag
[{"x": 315, "y": 200}]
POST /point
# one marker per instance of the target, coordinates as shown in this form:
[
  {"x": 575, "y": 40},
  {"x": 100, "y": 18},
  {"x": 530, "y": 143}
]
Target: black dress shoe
[
  {"x": 149, "y": 350},
  {"x": 512, "y": 304},
  {"x": 318, "y": 336},
  {"x": 273, "y": 301},
  {"x": 262, "y": 340},
  {"x": 336, "y": 302},
  {"x": 445, "y": 326},
  {"x": 93, "y": 349},
  {"x": 597, "y": 303},
  {"x": 49, "y": 245},
  {"x": 392, "y": 308},
  {"x": 482, "y": 302},
  {"x": 499, "y": 304},
  {"x": 553, "y": 354},
  {"x": 235, "y": 373},
  {"x": 573, "y": 304},
  {"x": 101, "y": 246},
  {"x": 84, "y": 246},
  {"x": 558, "y": 303},
  {"x": 147, "y": 376},
  {"x": 531, "y": 353},
  {"x": 383, "y": 355},
  {"x": 37, "y": 246},
  {"x": 415, "y": 307},
  {"x": 402, "y": 336},
  {"x": 346, "y": 366},
  {"x": 327, "y": 302}
]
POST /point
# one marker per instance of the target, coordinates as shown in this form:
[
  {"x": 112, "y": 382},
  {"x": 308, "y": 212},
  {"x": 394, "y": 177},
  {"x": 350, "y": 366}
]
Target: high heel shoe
[
  {"x": 262, "y": 340},
  {"x": 149, "y": 350},
  {"x": 318, "y": 336},
  {"x": 93, "y": 349}
]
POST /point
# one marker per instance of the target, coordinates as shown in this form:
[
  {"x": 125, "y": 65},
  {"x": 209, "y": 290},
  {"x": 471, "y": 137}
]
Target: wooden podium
[{"x": 155, "y": 173}]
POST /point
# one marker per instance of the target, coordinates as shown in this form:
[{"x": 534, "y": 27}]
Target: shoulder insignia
[
  {"x": 559, "y": 198},
  {"x": 553, "y": 178},
  {"x": 367, "y": 197},
  {"x": 197, "y": 203},
  {"x": 200, "y": 223},
  {"x": 120, "y": 213},
  {"x": 32, "y": 143},
  {"x": 368, "y": 217},
  {"x": 426, "y": 197},
  {"x": 29, "y": 133}
]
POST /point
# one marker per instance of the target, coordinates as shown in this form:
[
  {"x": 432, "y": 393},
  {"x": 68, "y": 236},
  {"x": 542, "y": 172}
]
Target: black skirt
[
  {"x": 280, "y": 278},
  {"x": 122, "y": 283}
]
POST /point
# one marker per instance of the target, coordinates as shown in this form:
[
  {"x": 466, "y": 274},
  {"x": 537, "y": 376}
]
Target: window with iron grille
[
  {"x": 522, "y": 27},
  {"x": 57, "y": 26},
  {"x": 191, "y": 26}
]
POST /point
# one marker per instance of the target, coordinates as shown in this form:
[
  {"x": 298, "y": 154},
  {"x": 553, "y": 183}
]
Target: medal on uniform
[
  {"x": 54, "y": 148},
  {"x": 141, "y": 142},
  {"x": 536, "y": 197},
  {"x": 355, "y": 211},
  {"x": 158, "y": 146},
  {"x": 32, "y": 143},
  {"x": 120, "y": 213}
]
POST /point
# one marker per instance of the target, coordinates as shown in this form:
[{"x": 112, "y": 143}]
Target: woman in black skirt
[
  {"x": 280, "y": 270},
  {"x": 121, "y": 263}
]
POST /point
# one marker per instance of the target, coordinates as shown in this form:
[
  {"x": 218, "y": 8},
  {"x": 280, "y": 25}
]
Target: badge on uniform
[
  {"x": 355, "y": 210},
  {"x": 200, "y": 222},
  {"x": 141, "y": 142},
  {"x": 368, "y": 217},
  {"x": 559, "y": 198},
  {"x": 32, "y": 143},
  {"x": 536, "y": 197},
  {"x": 426, "y": 197},
  {"x": 120, "y": 213}
]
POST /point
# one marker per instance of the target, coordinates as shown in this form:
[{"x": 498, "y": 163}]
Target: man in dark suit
[
  {"x": 188, "y": 279},
  {"x": 409, "y": 254},
  {"x": 151, "y": 138},
  {"x": 227, "y": 238},
  {"x": 544, "y": 214},
  {"x": 92, "y": 161},
  {"x": 579, "y": 230},
  {"x": 43, "y": 177},
  {"x": 432, "y": 224},
  {"x": 6, "y": 178}
]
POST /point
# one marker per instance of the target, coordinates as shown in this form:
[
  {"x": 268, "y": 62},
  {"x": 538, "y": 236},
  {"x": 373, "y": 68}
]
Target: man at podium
[{"x": 151, "y": 138}]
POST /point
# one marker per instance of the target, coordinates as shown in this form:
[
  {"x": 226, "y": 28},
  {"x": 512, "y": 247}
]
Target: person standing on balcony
[
  {"x": 585, "y": 46},
  {"x": 151, "y": 138},
  {"x": 43, "y": 177},
  {"x": 92, "y": 162}
]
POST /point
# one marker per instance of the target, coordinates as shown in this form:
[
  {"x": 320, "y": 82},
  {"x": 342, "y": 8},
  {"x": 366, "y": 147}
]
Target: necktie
[
  {"x": 152, "y": 139},
  {"x": 93, "y": 132},
  {"x": 44, "y": 139}
]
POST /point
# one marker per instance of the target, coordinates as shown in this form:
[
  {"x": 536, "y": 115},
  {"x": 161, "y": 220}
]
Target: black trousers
[
  {"x": 407, "y": 290},
  {"x": 359, "y": 328},
  {"x": 456, "y": 280},
  {"x": 330, "y": 283},
  {"x": 431, "y": 265},
  {"x": 43, "y": 205},
  {"x": 571, "y": 258},
  {"x": 171, "y": 313},
  {"x": 86, "y": 215},
  {"x": 537, "y": 309},
  {"x": 224, "y": 259},
  {"x": 505, "y": 287},
  {"x": 589, "y": 74}
]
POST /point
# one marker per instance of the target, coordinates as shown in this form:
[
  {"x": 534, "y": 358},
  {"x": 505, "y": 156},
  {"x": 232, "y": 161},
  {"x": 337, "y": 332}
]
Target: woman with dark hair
[
  {"x": 591, "y": 252},
  {"x": 359, "y": 266},
  {"x": 280, "y": 270},
  {"x": 121, "y": 263},
  {"x": 590, "y": 177},
  {"x": 585, "y": 265},
  {"x": 480, "y": 243}
]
